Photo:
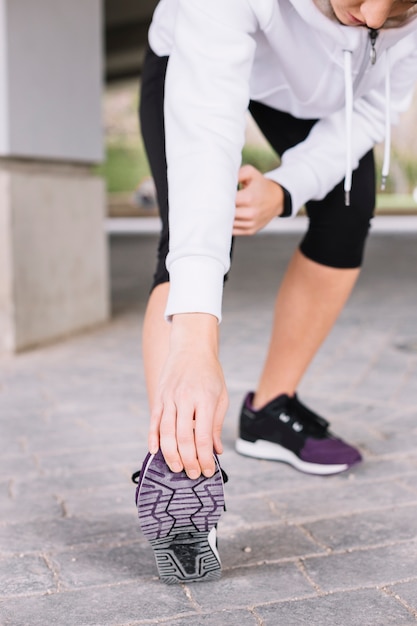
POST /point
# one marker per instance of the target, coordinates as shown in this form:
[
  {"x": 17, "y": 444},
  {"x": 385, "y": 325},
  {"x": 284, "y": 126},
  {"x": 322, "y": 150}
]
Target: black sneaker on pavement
[
  {"x": 179, "y": 517},
  {"x": 286, "y": 430}
]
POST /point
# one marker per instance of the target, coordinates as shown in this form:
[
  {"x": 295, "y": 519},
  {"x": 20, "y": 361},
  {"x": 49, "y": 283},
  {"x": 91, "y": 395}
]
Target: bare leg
[
  {"x": 155, "y": 338},
  {"x": 308, "y": 303}
]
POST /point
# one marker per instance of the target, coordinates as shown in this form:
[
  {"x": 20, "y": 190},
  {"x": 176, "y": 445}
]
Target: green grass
[
  {"x": 387, "y": 202},
  {"x": 126, "y": 165},
  {"x": 263, "y": 159}
]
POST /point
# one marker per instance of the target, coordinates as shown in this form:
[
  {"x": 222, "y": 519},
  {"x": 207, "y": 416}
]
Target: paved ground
[{"x": 339, "y": 551}]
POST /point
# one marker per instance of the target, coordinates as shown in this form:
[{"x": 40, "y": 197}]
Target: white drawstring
[
  {"x": 387, "y": 145},
  {"x": 349, "y": 116},
  {"x": 349, "y": 119}
]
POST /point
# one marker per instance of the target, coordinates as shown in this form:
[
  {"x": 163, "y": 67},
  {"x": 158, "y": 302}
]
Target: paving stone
[
  {"x": 252, "y": 585},
  {"x": 67, "y": 434},
  {"x": 13, "y": 465},
  {"x": 61, "y": 534},
  {"x": 376, "y": 412},
  {"x": 410, "y": 482},
  {"x": 333, "y": 499},
  {"x": 27, "y": 509},
  {"x": 378, "y": 470},
  {"x": 99, "y": 606},
  {"x": 79, "y": 429},
  {"x": 396, "y": 436},
  {"x": 408, "y": 593},
  {"x": 268, "y": 543},
  {"x": 365, "y": 607},
  {"x": 387, "y": 376},
  {"x": 98, "y": 501},
  {"x": 407, "y": 394},
  {"x": 25, "y": 575},
  {"x": 366, "y": 529},
  {"x": 14, "y": 404},
  {"x": 66, "y": 481},
  {"x": 218, "y": 618},
  {"x": 357, "y": 357},
  {"x": 90, "y": 458},
  {"x": 83, "y": 568},
  {"x": 240, "y": 514},
  {"x": 374, "y": 566}
]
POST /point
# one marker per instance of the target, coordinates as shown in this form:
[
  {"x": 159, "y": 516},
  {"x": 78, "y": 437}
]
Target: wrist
[{"x": 194, "y": 330}]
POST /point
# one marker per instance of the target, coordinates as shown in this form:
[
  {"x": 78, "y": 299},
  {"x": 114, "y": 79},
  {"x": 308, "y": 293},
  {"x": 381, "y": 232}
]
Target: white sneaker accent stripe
[
  {"x": 274, "y": 452},
  {"x": 212, "y": 540}
]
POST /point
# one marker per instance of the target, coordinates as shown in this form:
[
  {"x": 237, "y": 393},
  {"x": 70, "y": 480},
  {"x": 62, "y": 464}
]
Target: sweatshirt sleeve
[
  {"x": 313, "y": 167},
  {"x": 206, "y": 98}
]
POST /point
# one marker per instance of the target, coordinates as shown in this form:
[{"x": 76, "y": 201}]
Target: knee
[{"x": 342, "y": 247}]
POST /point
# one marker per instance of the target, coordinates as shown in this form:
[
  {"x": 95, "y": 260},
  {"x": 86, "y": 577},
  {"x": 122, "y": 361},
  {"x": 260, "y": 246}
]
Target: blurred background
[
  {"x": 127, "y": 173},
  {"x": 126, "y": 170}
]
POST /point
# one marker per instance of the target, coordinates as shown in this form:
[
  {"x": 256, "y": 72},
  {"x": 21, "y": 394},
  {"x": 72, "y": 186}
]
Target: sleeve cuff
[
  {"x": 298, "y": 180},
  {"x": 196, "y": 286},
  {"x": 287, "y": 212}
]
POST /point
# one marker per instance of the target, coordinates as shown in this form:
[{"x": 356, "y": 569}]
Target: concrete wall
[
  {"x": 53, "y": 253},
  {"x": 53, "y": 248},
  {"x": 51, "y": 79},
  {"x": 4, "y": 114}
]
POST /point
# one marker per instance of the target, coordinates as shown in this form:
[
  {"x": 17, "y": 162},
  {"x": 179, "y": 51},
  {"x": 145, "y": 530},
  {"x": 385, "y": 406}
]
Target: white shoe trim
[
  {"x": 212, "y": 540},
  {"x": 269, "y": 451},
  {"x": 143, "y": 472}
]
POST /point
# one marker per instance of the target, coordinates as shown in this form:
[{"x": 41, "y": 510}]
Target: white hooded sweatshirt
[{"x": 286, "y": 54}]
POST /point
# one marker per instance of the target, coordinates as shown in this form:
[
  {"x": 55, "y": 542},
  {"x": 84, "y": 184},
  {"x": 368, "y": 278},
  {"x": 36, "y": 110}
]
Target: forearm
[{"x": 191, "y": 399}]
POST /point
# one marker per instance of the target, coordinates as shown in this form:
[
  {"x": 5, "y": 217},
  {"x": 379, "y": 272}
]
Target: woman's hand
[
  {"x": 191, "y": 402},
  {"x": 258, "y": 201}
]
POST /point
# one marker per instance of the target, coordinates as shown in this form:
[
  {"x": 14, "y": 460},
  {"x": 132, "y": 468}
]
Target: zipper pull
[{"x": 373, "y": 34}]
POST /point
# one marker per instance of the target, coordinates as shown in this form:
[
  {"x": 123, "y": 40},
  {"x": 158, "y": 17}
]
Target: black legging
[{"x": 336, "y": 234}]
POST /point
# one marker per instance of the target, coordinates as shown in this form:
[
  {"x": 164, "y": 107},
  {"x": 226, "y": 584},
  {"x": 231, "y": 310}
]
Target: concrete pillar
[{"x": 53, "y": 248}]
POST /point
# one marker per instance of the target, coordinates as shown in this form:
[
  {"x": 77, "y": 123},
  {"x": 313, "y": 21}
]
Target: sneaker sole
[
  {"x": 269, "y": 451},
  {"x": 178, "y": 516}
]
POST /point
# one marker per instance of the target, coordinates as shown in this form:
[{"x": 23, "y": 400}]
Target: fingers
[
  {"x": 245, "y": 222},
  {"x": 168, "y": 439},
  {"x": 257, "y": 203},
  {"x": 153, "y": 435},
  {"x": 243, "y": 198},
  {"x": 209, "y": 422},
  {"x": 246, "y": 177},
  {"x": 186, "y": 440},
  {"x": 246, "y": 173},
  {"x": 188, "y": 437},
  {"x": 204, "y": 441},
  {"x": 219, "y": 416},
  {"x": 189, "y": 405}
]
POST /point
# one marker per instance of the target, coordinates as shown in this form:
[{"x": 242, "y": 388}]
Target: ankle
[{"x": 261, "y": 399}]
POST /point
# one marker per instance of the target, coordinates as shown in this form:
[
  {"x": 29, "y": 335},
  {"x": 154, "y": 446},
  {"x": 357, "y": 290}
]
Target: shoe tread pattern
[{"x": 176, "y": 515}]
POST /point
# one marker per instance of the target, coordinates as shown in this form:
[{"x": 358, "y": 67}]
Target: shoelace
[
  {"x": 135, "y": 477},
  {"x": 300, "y": 418}
]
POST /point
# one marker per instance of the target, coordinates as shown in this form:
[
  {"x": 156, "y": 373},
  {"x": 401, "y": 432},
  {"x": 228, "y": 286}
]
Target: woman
[{"x": 324, "y": 80}]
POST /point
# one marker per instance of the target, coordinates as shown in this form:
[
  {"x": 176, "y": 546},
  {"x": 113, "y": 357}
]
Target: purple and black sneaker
[
  {"x": 179, "y": 517},
  {"x": 286, "y": 430}
]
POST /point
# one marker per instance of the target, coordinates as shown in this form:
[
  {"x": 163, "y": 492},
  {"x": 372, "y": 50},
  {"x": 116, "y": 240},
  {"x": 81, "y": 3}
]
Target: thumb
[{"x": 246, "y": 173}]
